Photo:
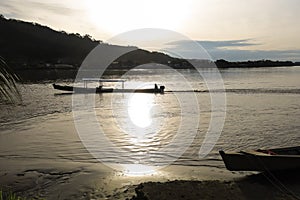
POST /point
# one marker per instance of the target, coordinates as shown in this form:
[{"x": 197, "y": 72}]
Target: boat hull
[
  {"x": 256, "y": 161},
  {"x": 107, "y": 90}
]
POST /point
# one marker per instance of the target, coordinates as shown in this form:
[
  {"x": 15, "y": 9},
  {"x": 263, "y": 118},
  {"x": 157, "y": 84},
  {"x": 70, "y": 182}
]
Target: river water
[{"x": 262, "y": 111}]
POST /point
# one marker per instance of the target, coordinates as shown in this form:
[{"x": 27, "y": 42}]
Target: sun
[{"x": 118, "y": 16}]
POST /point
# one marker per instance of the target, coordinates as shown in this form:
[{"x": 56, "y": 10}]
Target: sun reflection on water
[
  {"x": 139, "y": 109},
  {"x": 139, "y": 119}
]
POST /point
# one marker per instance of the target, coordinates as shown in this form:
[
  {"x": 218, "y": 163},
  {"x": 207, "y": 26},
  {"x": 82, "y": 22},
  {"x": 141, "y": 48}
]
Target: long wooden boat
[
  {"x": 107, "y": 90},
  {"x": 280, "y": 159}
]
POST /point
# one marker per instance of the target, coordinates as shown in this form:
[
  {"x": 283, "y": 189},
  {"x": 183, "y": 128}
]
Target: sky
[{"x": 228, "y": 29}]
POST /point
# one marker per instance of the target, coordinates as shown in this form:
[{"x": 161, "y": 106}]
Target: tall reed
[{"x": 8, "y": 87}]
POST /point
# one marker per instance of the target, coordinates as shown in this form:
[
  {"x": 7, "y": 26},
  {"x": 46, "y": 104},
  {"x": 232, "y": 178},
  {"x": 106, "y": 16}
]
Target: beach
[
  {"x": 62, "y": 180},
  {"x": 255, "y": 187}
]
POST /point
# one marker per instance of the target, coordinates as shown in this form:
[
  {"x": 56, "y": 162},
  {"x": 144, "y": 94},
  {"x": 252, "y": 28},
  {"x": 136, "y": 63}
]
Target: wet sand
[
  {"x": 75, "y": 180},
  {"x": 250, "y": 187},
  {"x": 34, "y": 178}
]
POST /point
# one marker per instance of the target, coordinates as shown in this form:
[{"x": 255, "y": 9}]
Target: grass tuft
[
  {"x": 8, "y": 88},
  {"x": 10, "y": 196}
]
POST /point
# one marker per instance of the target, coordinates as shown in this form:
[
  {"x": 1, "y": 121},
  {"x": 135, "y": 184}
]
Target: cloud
[
  {"x": 54, "y": 8},
  {"x": 232, "y": 50},
  {"x": 234, "y": 55},
  {"x": 215, "y": 44},
  {"x": 226, "y": 44},
  {"x": 67, "y": 15},
  {"x": 26, "y": 8}
]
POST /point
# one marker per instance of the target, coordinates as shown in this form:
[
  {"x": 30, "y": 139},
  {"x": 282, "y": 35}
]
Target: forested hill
[
  {"x": 31, "y": 45},
  {"x": 26, "y": 45},
  {"x": 24, "y": 42}
]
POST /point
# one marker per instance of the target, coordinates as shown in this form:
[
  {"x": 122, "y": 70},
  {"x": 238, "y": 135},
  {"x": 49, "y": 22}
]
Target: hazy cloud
[
  {"x": 26, "y": 8},
  {"x": 216, "y": 44},
  {"x": 231, "y": 50},
  {"x": 54, "y": 8},
  {"x": 292, "y": 55},
  {"x": 67, "y": 15}
]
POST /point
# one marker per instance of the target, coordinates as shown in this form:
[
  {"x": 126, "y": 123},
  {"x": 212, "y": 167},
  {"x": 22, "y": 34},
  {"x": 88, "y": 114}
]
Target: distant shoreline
[
  {"x": 254, "y": 64},
  {"x": 63, "y": 73}
]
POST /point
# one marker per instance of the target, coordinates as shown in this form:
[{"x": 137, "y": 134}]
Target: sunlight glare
[{"x": 117, "y": 16}]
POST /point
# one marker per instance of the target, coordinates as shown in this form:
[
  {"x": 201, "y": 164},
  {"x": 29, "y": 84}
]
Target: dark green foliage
[
  {"x": 24, "y": 42},
  {"x": 9, "y": 196}
]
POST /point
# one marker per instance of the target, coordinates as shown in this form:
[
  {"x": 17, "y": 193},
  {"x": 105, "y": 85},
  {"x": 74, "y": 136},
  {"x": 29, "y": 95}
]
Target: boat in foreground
[{"x": 280, "y": 159}]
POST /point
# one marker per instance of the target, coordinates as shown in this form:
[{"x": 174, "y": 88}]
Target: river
[{"x": 262, "y": 111}]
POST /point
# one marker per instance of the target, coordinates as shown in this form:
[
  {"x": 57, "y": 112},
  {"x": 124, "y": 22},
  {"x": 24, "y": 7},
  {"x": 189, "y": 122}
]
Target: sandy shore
[
  {"x": 250, "y": 187},
  {"x": 38, "y": 179},
  {"x": 73, "y": 180}
]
